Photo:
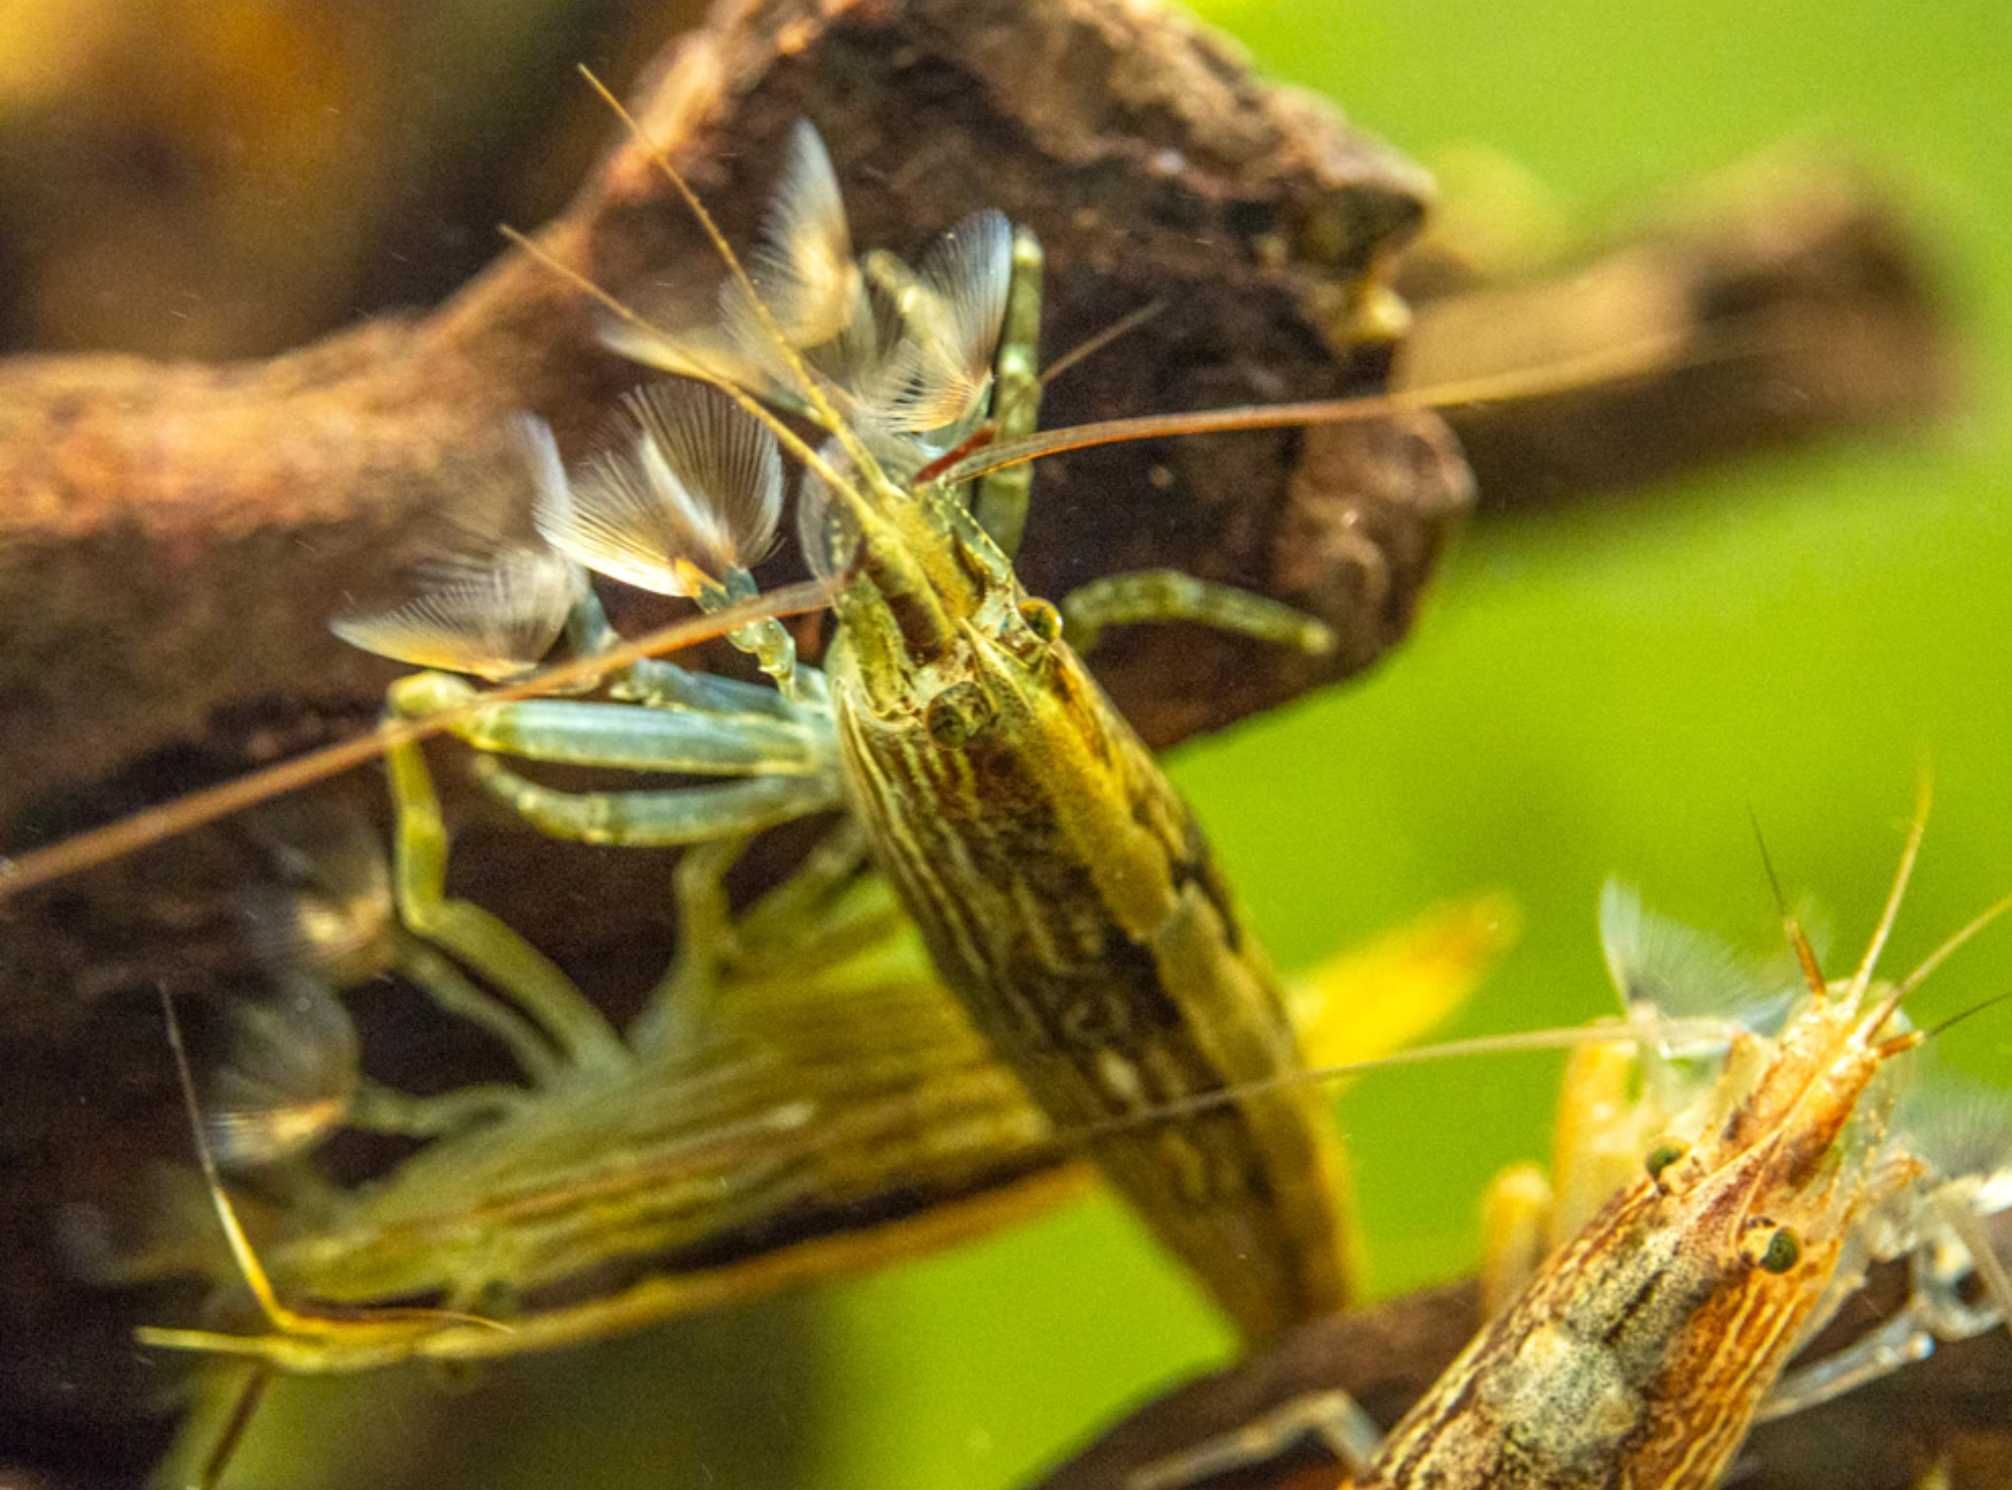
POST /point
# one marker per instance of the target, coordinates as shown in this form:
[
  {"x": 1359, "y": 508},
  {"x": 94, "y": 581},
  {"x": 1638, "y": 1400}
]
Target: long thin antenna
[
  {"x": 1954, "y": 943},
  {"x": 1937, "y": 1031},
  {"x": 1592, "y": 369},
  {"x": 1096, "y": 341},
  {"x": 1564, "y": 1037},
  {"x": 249, "y": 1267},
  {"x": 98, "y": 846},
  {"x": 1798, "y": 939},
  {"x": 1924, "y": 795},
  {"x": 279, "y": 1316},
  {"x": 243, "y": 1410},
  {"x": 808, "y": 385}
]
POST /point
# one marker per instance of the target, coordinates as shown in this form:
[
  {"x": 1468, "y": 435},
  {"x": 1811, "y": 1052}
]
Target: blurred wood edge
[
  {"x": 1803, "y": 299},
  {"x": 1954, "y": 1409}
]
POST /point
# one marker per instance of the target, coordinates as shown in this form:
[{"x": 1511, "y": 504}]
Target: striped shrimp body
[
  {"x": 1068, "y": 897},
  {"x": 1642, "y": 1351},
  {"x": 1065, "y": 891},
  {"x": 1063, "y": 888},
  {"x": 766, "y": 1144}
]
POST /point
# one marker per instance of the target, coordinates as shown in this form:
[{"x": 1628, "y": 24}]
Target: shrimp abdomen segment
[{"x": 1070, "y": 901}]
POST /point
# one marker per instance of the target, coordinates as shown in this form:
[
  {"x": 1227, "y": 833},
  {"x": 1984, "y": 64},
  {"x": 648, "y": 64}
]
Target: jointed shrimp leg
[
  {"x": 1333, "y": 1419},
  {"x": 622, "y": 736},
  {"x": 825, "y": 914},
  {"x": 485, "y": 943},
  {"x": 1147, "y": 595},
  {"x": 382, "y": 1109},
  {"x": 452, "y": 992},
  {"x": 1000, "y": 503},
  {"x": 654, "y": 819}
]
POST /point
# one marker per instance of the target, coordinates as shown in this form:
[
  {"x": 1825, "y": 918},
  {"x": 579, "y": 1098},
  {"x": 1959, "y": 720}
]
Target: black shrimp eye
[
  {"x": 1662, "y": 1156},
  {"x": 1041, "y": 618},
  {"x": 1771, "y": 1248},
  {"x": 957, "y": 715}
]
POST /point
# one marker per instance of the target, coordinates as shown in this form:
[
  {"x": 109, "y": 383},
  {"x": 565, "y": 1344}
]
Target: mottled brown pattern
[
  {"x": 1638, "y": 1356},
  {"x": 1066, "y": 896}
]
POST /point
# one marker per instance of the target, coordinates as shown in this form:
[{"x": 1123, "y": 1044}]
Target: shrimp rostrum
[{"x": 1063, "y": 889}]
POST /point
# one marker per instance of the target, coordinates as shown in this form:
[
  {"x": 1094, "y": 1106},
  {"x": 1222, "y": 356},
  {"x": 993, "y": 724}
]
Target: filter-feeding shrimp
[
  {"x": 1064, "y": 891},
  {"x": 829, "y": 1110},
  {"x": 1042, "y": 852}
]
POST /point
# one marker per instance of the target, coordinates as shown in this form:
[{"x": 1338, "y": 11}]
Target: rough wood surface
[{"x": 173, "y": 539}]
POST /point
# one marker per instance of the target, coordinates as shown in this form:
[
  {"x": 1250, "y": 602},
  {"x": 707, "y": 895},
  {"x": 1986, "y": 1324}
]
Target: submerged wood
[{"x": 1885, "y": 1436}]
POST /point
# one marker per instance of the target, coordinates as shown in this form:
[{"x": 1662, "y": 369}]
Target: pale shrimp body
[{"x": 1642, "y": 1350}]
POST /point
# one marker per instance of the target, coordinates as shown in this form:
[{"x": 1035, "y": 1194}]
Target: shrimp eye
[
  {"x": 1771, "y": 1248},
  {"x": 1041, "y": 618},
  {"x": 957, "y": 715},
  {"x": 1663, "y": 1155}
]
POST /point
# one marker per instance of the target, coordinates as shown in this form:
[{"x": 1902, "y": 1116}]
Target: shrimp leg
[
  {"x": 1002, "y": 498},
  {"x": 1149, "y": 595},
  {"x": 485, "y": 943},
  {"x": 656, "y": 819},
  {"x": 382, "y": 1109},
  {"x": 578, "y": 733},
  {"x": 1333, "y": 1419},
  {"x": 1000, "y": 504}
]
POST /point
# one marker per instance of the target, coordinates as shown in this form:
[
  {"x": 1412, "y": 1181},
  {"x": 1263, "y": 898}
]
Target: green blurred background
[{"x": 1599, "y": 689}]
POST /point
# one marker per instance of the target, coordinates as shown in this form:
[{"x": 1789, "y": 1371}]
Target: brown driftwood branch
[
  {"x": 173, "y": 539},
  {"x": 1952, "y": 1409},
  {"x": 1800, "y": 298}
]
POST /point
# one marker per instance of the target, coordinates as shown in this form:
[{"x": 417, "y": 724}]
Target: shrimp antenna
[
  {"x": 1558, "y": 1037},
  {"x": 280, "y": 1316},
  {"x": 1924, "y": 795},
  {"x": 252, "y": 1393},
  {"x": 1096, "y": 341},
  {"x": 249, "y": 1267},
  {"x": 242, "y": 1411},
  {"x": 96, "y": 846},
  {"x": 1953, "y": 943},
  {"x": 1991, "y": 1270},
  {"x": 1636, "y": 358},
  {"x": 1937, "y": 1031},
  {"x": 808, "y": 384},
  {"x": 1798, "y": 939}
]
